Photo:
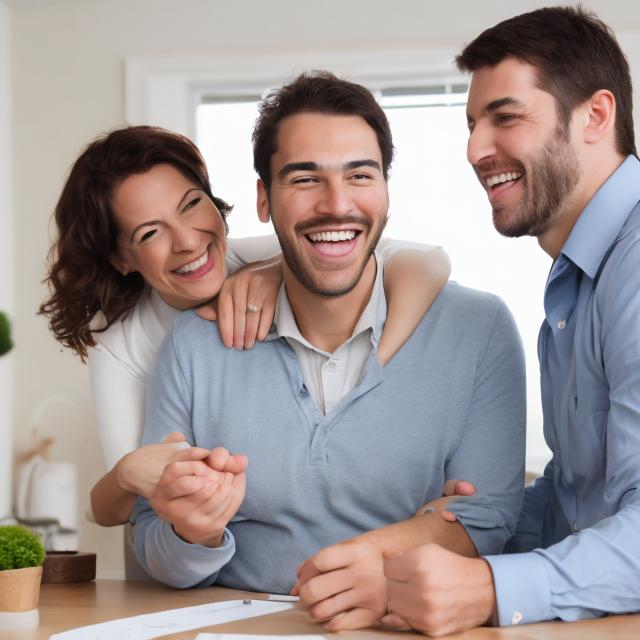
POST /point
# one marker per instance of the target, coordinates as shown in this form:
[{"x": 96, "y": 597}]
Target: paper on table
[
  {"x": 234, "y": 636},
  {"x": 151, "y": 625}
]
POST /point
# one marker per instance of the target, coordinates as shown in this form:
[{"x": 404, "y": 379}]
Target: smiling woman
[{"x": 177, "y": 247}]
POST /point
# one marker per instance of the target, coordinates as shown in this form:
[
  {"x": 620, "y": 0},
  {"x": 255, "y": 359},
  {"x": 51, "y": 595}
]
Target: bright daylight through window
[{"x": 435, "y": 199}]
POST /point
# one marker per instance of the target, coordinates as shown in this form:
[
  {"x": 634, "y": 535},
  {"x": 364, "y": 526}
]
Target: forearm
[
  {"x": 171, "y": 560},
  {"x": 422, "y": 529},
  {"x": 111, "y": 504},
  {"x": 412, "y": 281}
]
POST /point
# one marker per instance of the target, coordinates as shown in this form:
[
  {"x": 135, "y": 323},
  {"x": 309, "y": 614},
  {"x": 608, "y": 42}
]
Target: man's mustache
[{"x": 327, "y": 221}]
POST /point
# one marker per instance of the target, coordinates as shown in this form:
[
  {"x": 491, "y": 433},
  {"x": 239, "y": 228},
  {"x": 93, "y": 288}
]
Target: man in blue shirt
[{"x": 551, "y": 140}]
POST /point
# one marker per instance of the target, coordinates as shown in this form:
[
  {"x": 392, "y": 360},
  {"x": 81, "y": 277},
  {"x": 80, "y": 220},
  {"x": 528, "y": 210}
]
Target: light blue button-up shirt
[{"x": 578, "y": 536}]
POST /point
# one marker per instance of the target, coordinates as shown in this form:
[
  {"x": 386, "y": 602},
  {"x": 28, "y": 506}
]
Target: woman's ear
[
  {"x": 120, "y": 264},
  {"x": 264, "y": 211}
]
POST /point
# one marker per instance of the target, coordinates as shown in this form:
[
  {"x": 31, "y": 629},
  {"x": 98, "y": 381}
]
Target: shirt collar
[
  {"x": 603, "y": 218},
  {"x": 373, "y": 317}
]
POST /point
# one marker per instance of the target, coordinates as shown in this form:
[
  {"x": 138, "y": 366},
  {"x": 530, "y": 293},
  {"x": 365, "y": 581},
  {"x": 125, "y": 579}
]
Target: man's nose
[
  {"x": 481, "y": 144},
  {"x": 336, "y": 199}
]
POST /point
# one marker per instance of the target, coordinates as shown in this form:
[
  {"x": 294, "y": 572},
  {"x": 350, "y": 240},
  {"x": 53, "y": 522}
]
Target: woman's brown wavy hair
[{"x": 81, "y": 278}]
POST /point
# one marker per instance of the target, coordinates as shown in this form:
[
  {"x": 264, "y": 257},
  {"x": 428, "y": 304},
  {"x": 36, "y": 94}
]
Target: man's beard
[
  {"x": 312, "y": 279},
  {"x": 548, "y": 182}
]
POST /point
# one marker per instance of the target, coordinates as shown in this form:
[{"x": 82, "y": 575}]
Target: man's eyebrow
[
  {"x": 354, "y": 164},
  {"x": 297, "y": 166},
  {"x": 494, "y": 105},
  {"x": 314, "y": 166},
  {"x": 503, "y": 102}
]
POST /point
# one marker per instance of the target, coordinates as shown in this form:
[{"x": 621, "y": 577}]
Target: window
[{"x": 435, "y": 198}]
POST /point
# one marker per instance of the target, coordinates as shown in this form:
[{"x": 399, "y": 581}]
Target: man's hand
[
  {"x": 344, "y": 585},
  {"x": 246, "y": 304},
  {"x": 138, "y": 472},
  {"x": 199, "y": 498},
  {"x": 437, "y": 591}
]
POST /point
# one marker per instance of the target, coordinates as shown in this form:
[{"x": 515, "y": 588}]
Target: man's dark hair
[
  {"x": 575, "y": 53},
  {"x": 316, "y": 92}
]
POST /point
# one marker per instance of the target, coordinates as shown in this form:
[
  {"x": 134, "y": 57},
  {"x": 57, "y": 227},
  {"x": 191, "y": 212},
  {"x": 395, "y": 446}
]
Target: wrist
[
  {"x": 213, "y": 541},
  {"x": 121, "y": 473},
  {"x": 489, "y": 595}
]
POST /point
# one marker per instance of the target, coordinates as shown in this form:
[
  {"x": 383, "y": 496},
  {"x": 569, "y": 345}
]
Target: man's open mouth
[
  {"x": 333, "y": 243},
  {"x": 333, "y": 236},
  {"x": 502, "y": 178}
]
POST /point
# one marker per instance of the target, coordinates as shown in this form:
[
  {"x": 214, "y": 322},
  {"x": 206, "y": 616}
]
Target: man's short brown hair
[
  {"x": 575, "y": 53},
  {"x": 316, "y": 92}
]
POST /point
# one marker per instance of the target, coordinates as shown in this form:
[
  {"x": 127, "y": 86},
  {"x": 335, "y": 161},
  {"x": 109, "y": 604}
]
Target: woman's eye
[
  {"x": 147, "y": 235},
  {"x": 192, "y": 203}
]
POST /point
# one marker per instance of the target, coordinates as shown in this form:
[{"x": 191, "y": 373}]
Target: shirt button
[
  {"x": 574, "y": 527},
  {"x": 331, "y": 365},
  {"x": 562, "y": 324},
  {"x": 516, "y": 618}
]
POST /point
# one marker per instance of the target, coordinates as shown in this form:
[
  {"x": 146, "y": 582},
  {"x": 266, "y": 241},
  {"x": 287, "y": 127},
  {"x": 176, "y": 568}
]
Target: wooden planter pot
[{"x": 19, "y": 593}]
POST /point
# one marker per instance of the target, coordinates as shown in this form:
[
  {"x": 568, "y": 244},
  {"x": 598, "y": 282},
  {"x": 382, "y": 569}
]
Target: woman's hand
[
  {"x": 246, "y": 303},
  {"x": 138, "y": 472}
]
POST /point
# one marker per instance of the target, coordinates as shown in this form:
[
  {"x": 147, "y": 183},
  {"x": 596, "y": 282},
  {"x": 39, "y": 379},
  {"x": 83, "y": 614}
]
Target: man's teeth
[
  {"x": 332, "y": 236},
  {"x": 196, "y": 264},
  {"x": 502, "y": 177}
]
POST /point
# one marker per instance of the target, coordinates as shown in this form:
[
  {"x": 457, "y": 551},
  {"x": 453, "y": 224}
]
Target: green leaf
[{"x": 19, "y": 548}]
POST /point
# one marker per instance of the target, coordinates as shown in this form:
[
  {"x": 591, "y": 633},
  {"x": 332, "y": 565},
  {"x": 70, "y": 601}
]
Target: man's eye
[
  {"x": 304, "y": 180},
  {"x": 505, "y": 118},
  {"x": 360, "y": 176}
]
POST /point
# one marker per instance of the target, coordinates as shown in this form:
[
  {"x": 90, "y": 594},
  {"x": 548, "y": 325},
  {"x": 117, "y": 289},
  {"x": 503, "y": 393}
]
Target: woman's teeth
[
  {"x": 196, "y": 264},
  {"x": 332, "y": 236},
  {"x": 502, "y": 177}
]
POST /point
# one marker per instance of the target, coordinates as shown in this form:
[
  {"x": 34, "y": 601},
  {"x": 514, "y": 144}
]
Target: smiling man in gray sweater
[{"x": 339, "y": 448}]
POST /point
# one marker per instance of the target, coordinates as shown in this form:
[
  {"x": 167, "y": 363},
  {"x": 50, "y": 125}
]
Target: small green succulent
[
  {"x": 19, "y": 548},
  {"x": 5, "y": 334}
]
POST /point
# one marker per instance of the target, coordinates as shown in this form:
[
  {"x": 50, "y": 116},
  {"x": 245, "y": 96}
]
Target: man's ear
[
  {"x": 600, "y": 115},
  {"x": 264, "y": 210}
]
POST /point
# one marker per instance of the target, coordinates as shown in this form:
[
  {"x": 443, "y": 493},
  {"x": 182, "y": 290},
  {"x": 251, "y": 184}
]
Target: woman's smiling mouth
[{"x": 197, "y": 267}]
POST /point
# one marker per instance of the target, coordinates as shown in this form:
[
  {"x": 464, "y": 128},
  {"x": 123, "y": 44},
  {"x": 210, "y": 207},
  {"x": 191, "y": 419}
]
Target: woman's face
[{"x": 172, "y": 234}]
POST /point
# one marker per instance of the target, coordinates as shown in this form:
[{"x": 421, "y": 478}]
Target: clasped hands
[
  {"x": 200, "y": 492},
  {"x": 355, "y": 584}
]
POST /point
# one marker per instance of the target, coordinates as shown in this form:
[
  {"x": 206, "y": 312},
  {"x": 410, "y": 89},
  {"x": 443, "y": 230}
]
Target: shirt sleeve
[
  {"x": 244, "y": 251},
  {"x": 528, "y": 533},
  {"x": 597, "y": 570},
  {"x": 164, "y": 555},
  {"x": 387, "y": 247},
  {"x": 491, "y": 449},
  {"x": 118, "y": 398}
]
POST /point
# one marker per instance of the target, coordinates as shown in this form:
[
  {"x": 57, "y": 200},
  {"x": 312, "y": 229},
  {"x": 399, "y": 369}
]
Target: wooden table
[{"x": 65, "y": 606}]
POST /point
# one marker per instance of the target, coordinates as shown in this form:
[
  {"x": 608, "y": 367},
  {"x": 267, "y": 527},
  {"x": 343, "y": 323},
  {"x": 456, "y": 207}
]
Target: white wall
[
  {"x": 6, "y": 258},
  {"x": 67, "y": 60}
]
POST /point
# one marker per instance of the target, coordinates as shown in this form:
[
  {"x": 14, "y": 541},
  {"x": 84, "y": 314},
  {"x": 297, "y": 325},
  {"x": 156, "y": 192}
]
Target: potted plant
[{"x": 21, "y": 558}]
